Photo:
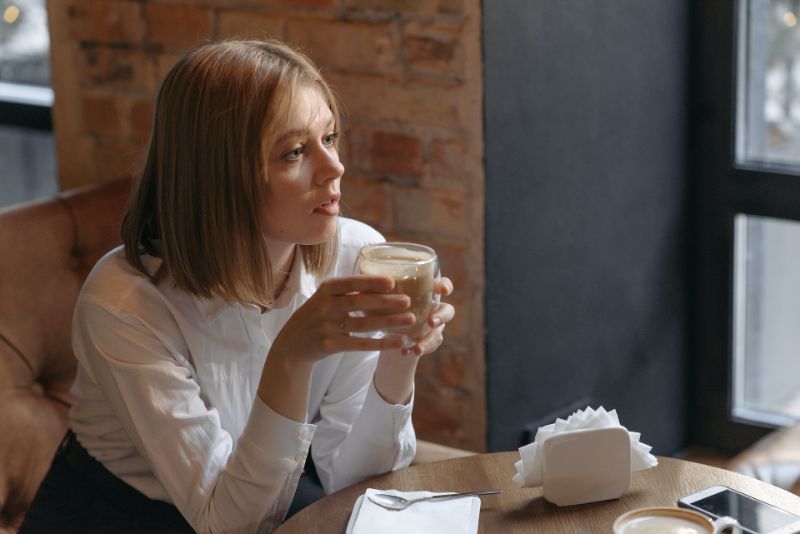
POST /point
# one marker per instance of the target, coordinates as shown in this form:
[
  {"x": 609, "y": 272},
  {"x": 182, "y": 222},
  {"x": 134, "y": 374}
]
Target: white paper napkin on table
[
  {"x": 450, "y": 516},
  {"x": 530, "y": 468}
]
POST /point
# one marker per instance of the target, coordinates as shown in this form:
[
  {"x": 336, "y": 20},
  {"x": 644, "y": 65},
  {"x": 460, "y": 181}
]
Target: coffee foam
[
  {"x": 663, "y": 525},
  {"x": 662, "y": 521},
  {"x": 413, "y": 272},
  {"x": 399, "y": 263},
  {"x": 406, "y": 253}
]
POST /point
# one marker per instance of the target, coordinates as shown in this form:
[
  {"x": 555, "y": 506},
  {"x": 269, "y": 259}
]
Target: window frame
[
  {"x": 720, "y": 187},
  {"x": 26, "y": 106}
]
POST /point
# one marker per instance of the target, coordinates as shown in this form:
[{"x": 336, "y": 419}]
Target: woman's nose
[{"x": 329, "y": 166}]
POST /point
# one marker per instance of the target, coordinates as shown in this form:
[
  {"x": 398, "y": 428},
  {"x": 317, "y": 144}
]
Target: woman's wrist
[
  {"x": 394, "y": 376},
  {"x": 285, "y": 385}
]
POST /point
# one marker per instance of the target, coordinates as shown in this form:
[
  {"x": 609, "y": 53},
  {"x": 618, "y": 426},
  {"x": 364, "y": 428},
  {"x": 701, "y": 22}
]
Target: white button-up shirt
[{"x": 166, "y": 397}]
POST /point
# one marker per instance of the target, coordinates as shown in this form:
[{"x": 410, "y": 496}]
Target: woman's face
[{"x": 303, "y": 174}]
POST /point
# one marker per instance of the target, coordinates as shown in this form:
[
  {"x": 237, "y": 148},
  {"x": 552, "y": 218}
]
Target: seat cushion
[
  {"x": 775, "y": 459},
  {"x": 48, "y": 249}
]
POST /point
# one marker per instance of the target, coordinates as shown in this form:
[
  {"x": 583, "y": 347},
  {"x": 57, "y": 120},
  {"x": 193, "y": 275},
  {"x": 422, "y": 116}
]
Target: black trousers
[{"x": 79, "y": 494}]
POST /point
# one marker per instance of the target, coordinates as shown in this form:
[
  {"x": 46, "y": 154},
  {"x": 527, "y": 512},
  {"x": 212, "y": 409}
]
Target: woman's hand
[
  {"x": 439, "y": 317},
  {"x": 394, "y": 376},
  {"x": 322, "y": 326}
]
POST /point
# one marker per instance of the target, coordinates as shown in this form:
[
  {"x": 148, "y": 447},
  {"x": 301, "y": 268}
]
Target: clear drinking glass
[{"x": 414, "y": 269}]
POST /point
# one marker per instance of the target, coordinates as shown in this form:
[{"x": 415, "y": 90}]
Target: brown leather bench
[{"x": 46, "y": 250}]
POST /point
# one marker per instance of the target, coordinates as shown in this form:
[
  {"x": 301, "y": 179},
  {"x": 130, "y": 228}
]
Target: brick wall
[{"x": 409, "y": 74}]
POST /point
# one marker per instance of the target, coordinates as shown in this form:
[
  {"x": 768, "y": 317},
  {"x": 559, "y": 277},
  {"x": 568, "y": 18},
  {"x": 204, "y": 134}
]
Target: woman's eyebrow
[
  {"x": 299, "y": 132},
  {"x": 292, "y": 133}
]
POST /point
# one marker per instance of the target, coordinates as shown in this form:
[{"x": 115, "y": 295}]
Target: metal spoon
[{"x": 395, "y": 502}]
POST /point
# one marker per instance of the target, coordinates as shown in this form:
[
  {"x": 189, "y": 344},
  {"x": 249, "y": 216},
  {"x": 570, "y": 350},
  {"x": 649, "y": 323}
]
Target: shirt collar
[
  {"x": 210, "y": 308},
  {"x": 301, "y": 283}
]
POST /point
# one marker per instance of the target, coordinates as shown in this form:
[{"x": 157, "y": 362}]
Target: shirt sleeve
[
  {"x": 218, "y": 485},
  {"x": 358, "y": 433}
]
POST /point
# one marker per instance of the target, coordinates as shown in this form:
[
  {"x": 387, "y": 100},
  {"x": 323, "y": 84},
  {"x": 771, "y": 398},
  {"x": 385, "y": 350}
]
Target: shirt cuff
[
  {"x": 377, "y": 409},
  {"x": 282, "y": 437}
]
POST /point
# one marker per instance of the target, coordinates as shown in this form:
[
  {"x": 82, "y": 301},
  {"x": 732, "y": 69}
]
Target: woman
[{"x": 215, "y": 347}]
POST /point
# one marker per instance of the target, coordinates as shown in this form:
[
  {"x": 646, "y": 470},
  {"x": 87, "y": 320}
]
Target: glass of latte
[{"x": 414, "y": 269}]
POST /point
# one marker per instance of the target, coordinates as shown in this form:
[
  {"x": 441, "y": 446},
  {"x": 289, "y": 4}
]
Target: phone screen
[{"x": 751, "y": 514}]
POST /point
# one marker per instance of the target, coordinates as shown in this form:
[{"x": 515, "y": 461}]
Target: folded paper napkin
[
  {"x": 530, "y": 470},
  {"x": 450, "y": 516}
]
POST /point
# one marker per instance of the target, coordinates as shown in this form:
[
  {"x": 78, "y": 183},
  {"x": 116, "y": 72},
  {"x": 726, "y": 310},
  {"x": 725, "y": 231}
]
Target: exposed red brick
[
  {"x": 459, "y": 327},
  {"x": 355, "y": 148},
  {"x": 449, "y": 165},
  {"x": 303, "y": 3},
  {"x": 110, "y": 21},
  {"x": 388, "y": 154},
  {"x": 453, "y": 259},
  {"x": 440, "y": 213},
  {"x": 437, "y": 415},
  {"x": 385, "y": 99},
  {"x": 347, "y": 45},
  {"x": 395, "y": 153},
  {"x": 164, "y": 63},
  {"x": 453, "y": 365},
  {"x": 101, "y": 115},
  {"x": 421, "y": 50},
  {"x": 367, "y": 200},
  {"x": 414, "y": 7},
  {"x": 141, "y": 119},
  {"x": 249, "y": 24},
  {"x": 177, "y": 25},
  {"x": 434, "y": 49},
  {"x": 117, "y": 68},
  {"x": 451, "y": 6},
  {"x": 118, "y": 158}
]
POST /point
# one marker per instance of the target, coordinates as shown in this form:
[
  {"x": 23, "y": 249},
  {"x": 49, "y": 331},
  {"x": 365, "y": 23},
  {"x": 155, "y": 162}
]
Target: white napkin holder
[{"x": 590, "y": 465}]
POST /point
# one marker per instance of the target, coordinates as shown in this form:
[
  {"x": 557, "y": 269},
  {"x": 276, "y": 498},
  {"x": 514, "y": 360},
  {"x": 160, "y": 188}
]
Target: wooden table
[{"x": 519, "y": 510}]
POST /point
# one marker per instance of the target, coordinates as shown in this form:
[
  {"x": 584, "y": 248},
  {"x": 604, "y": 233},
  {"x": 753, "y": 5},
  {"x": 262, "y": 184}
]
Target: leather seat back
[{"x": 46, "y": 250}]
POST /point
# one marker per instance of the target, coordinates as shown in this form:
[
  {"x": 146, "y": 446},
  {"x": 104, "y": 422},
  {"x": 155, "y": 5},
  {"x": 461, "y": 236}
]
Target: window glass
[
  {"x": 27, "y": 155},
  {"x": 766, "y": 333},
  {"x": 768, "y": 110},
  {"x": 24, "y": 42},
  {"x": 28, "y": 163}
]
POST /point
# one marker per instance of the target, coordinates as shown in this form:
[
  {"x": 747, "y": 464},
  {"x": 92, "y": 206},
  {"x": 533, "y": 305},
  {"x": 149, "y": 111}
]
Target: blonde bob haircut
[{"x": 197, "y": 202}]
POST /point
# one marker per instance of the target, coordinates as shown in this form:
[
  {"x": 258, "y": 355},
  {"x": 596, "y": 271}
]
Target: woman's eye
[
  {"x": 330, "y": 139},
  {"x": 294, "y": 154}
]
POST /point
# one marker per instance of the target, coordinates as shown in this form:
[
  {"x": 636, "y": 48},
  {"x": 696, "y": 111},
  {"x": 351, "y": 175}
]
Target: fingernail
[
  {"x": 436, "y": 321},
  {"x": 404, "y": 352},
  {"x": 417, "y": 350}
]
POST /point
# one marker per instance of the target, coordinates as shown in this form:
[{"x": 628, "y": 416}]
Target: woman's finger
[
  {"x": 357, "y": 283},
  {"x": 383, "y": 302},
  {"x": 372, "y": 323},
  {"x": 441, "y": 315},
  {"x": 348, "y": 343},
  {"x": 443, "y": 286},
  {"x": 429, "y": 343}
]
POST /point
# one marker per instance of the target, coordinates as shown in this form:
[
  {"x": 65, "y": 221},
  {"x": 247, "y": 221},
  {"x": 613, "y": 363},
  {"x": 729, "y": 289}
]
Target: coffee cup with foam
[
  {"x": 414, "y": 269},
  {"x": 667, "y": 520}
]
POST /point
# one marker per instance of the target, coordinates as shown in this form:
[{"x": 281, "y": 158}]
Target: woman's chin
[{"x": 323, "y": 235}]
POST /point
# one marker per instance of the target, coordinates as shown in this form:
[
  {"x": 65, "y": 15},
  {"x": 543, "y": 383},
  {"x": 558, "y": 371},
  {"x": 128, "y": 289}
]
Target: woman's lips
[{"x": 330, "y": 208}]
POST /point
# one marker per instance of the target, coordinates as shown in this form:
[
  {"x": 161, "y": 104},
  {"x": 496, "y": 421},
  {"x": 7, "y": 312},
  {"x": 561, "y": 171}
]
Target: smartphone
[{"x": 755, "y": 516}]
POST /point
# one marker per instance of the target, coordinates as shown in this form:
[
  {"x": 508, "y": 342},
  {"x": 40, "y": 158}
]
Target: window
[
  {"x": 766, "y": 326},
  {"x": 745, "y": 369},
  {"x": 27, "y": 151},
  {"x": 768, "y": 103}
]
